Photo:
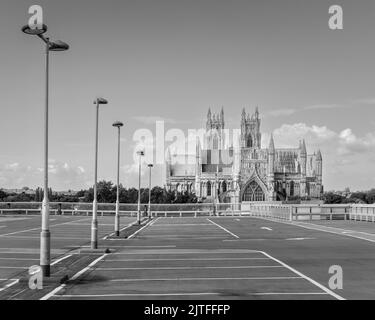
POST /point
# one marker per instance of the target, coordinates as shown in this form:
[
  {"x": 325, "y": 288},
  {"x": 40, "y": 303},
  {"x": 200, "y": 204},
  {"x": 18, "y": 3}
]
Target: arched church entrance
[{"x": 253, "y": 192}]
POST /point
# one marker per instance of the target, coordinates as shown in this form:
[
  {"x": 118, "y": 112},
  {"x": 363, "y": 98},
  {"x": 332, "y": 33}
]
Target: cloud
[
  {"x": 289, "y": 135},
  {"x": 152, "y": 119},
  {"x": 368, "y": 101},
  {"x": 290, "y": 111},
  {"x": 350, "y": 144},
  {"x": 323, "y": 106},
  {"x": 62, "y": 176},
  {"x": 281, "y": 112}
]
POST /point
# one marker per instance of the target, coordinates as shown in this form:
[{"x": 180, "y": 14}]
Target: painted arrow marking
[
  {"x": 266, "y": 228},
  {"x": 298, "y": 239}
]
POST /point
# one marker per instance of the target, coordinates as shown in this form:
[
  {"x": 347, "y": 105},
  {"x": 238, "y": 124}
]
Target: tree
[
  {"x": 332, "y": 198},
  {"x": 2, "y": 195},
  {"x": 370, "y": 196}
]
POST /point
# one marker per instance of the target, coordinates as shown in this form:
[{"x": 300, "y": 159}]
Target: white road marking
[
  {"x": 150, "y": 223},
  {"x": 77, "y": 275},
  {"x": 125, "y": 246},
  {"x": 237, "y": 219},
  {"x": 122, "y": 229},
  {"x": 266, "y": 228},
  {"x": 186, "y": 259},
  {"x": 2, "y": 219},
  {"x": 15, "y": 281},
  {"x": 61, "y": 259},
  {"x": 315, "y": 227},
  {"x": 38, "y": 237},
  {"x": 188, "y": 268},
  {"x": 182, "y": 251},
  {"x": 38, "y": 228},
  {"x": 20, "y": 259},
  {"x": 328, "y": 291},
  {"x": 299, "y": 239},
  {"x": 132, "y": 295},
  {"x": 182, "y": 294},
  {"x": 180, "y": 224},
  {"x": 226, "y": 230},
  {"x": 204, "y": 279},
  {"x": 246, "y": 239}
]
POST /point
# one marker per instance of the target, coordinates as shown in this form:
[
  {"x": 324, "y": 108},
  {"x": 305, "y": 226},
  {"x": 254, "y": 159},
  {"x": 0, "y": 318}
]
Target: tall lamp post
[
  {"x": 118, "y": 125},
  {"x": 94, "y": 223},
  {"x": 45, "y": 235},
  {"x": 140, "y": 153},
  {"x": 149, "y": 191}
]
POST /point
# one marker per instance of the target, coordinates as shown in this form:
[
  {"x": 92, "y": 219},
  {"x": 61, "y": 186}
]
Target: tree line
[
  {"x": 361, "y": 197},
  {"x": 106, "y": 193}
]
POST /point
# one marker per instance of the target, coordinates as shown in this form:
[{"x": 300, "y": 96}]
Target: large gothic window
[
  {"x": 291, "y": 188},
  {"x": 249, "y": 142},
  {"x": 208, "y": 189},
  {"x": 224, "y": 186},
  {"x": 253, "y": 192},
  {"x": 215, "y": 142}
]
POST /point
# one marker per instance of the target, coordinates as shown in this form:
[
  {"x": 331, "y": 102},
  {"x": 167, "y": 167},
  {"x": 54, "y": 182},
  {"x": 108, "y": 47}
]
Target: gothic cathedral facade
[{"x": 247, "y": 171}]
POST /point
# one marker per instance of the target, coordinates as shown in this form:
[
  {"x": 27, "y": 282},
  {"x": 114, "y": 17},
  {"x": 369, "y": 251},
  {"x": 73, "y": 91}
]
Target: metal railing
[{"x": 300, "y": 212}]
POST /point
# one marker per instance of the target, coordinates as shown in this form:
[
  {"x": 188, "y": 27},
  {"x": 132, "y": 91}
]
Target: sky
[{"x": 171, "y": 60}]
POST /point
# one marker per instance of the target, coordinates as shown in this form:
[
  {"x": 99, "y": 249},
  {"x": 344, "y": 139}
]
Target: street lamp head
[
  {"x": 58, "y": 46},
  {"x": 117, "y": 124},
  {"x": 34, "y": 32},
  {"x": 150, "y": 165},
  {"x": 140, "y": 153},
  {"x": 100, "y": 101}
]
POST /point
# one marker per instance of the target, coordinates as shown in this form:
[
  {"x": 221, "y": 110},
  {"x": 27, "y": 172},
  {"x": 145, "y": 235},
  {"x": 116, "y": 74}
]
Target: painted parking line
[
  {"x": 60, "y": 259},
  {"x": 19, "y": 259},
  {"x": 333, "y": 230},
  {"x": 122, "y": 229},
  {"x": 204, "y": 279},
  {"x": 180, "y": 225},
  {"x": 12, "y": 283},
  {"x": 328, "y": 291},
  {"x": 186, "y": 259},
  {"x": 150, "y": 223},
  {"x": 226, "y": 230},
  {"x": 182, "y": 294},
  {"x": 38, "y": 237},
  {"x": 38, "y": 228},
  {"x": 76, "y": 276},
  {"x": 269, "y": 278},
  {"x": 188, "y": 268}
]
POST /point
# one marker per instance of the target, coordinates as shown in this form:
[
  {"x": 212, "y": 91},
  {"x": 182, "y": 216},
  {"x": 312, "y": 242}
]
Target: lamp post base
[
  {"x": 94, "y": 233},
  {"x": 46, "y": 270},
  {"x": 45, "y": 244}
]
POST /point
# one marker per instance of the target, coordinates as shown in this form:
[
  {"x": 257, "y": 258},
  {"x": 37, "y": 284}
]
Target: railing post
[{"x": 290, "y": 213}]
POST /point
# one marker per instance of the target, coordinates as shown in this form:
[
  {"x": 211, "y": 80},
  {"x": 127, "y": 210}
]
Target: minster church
[{"x": 244, "y": 170}]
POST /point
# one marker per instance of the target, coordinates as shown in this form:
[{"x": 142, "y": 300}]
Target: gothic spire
[
  {"x": 303, "y": 150},
  {"x": 272, "y": 144},
  {"x": 319, "y": 156}
]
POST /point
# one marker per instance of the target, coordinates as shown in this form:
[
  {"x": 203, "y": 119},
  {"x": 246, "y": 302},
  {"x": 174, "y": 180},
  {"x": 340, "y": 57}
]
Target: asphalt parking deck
[
  {"x": 222, "y": 258},
  {"x": 20, "y": 236}
]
